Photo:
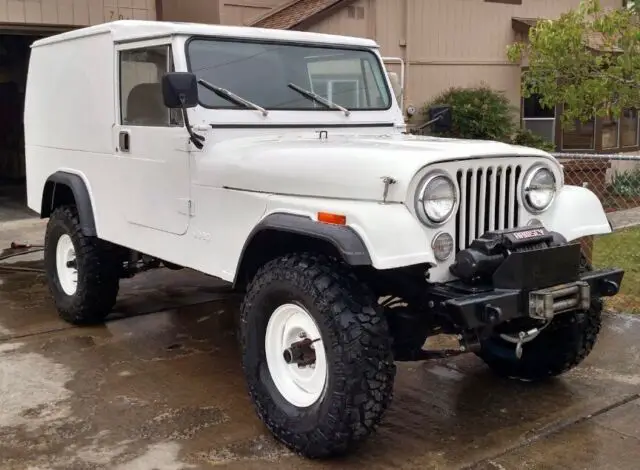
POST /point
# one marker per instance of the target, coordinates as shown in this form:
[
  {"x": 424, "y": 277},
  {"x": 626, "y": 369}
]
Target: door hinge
[{"x": 187, "y": 207}]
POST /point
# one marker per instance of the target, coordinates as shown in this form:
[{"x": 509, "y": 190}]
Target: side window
[{"x": 141, "y": 102}]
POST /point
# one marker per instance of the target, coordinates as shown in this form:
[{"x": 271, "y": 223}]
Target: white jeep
[{"x": 278, "y": 161}]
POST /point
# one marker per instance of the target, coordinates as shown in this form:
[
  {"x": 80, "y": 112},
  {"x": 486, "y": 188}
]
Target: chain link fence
[{"x": 615, "y": 179}]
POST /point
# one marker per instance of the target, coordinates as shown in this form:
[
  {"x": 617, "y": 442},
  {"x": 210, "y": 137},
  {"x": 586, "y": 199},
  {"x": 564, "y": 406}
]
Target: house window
[
  {"x": 507, "y": 2},
  {"x": 629, "y": 128},
  {"x": 355, "y": 12},
  {"x": 538, "y": 119},
  {"x": 345, "y": 92},
  {"x": 610, "y": 133},
  {"x": 141, "y": 102},
  {"x": 579, "y": 135},
  {"x": 347, "y": 82}
]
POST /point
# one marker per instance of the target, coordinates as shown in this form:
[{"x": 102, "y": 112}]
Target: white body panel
[{"x": 196, "y": 208}]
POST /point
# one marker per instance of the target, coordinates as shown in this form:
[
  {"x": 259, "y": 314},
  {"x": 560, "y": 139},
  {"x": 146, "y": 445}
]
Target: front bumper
[{"x": 537, "y": 284}]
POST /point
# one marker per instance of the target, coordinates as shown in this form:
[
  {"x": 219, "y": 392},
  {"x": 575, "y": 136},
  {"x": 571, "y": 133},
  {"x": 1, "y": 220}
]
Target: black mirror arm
[
  {"x": 436, "y": 119},
  {"x": 197, "y": 139}
]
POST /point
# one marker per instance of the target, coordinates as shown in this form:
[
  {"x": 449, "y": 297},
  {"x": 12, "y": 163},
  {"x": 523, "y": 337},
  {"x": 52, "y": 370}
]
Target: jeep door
[{"x": 150, "y": 140}]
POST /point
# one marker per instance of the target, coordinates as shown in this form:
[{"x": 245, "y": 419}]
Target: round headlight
[
  {"x": 539, "y": 189},
  {"x": 436, "y": 199}
]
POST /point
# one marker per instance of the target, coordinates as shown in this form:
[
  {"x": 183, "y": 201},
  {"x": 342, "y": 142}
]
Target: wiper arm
[
  {"x": 319, "y": 99},
  {"x": 229, "y": 96}
]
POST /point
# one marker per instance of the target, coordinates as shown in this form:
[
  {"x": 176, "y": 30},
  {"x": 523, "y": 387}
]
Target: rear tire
[
  {"x": 82, "y": 272},
  {"x": 327, "y": 410}
]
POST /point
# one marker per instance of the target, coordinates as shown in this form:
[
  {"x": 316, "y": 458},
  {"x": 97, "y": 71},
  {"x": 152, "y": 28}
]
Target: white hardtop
[{"x": 132, "y": 30}]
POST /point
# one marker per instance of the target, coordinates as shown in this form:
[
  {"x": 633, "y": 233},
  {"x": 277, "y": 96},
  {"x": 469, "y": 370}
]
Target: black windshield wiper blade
[
  {"x": 314, "y": 96},
  {"x": 226, "y": 94}
]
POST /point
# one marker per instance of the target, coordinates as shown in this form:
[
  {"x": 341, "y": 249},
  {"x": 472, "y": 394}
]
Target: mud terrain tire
[
  {"x": 560, "y": 347},
  {"x": 563, "y": 345},
  {"x": 97, "y": 279},
  {"x": 355, "y": 340}
]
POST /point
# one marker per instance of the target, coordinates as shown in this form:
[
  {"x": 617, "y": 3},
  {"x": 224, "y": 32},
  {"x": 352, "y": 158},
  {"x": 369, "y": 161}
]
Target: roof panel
[{"x": 128, "y": 30}]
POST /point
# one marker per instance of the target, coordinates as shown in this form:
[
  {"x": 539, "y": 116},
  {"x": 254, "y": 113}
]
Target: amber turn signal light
[{"x": 329, "y": 218}]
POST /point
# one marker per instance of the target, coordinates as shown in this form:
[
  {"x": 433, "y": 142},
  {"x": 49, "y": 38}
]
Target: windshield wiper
[
  {"x": 229, "y": 96},
  {"x": 314, "y": 96}
]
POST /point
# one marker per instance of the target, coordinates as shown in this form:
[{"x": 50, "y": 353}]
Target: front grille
[{"x": 488, "y": 201}]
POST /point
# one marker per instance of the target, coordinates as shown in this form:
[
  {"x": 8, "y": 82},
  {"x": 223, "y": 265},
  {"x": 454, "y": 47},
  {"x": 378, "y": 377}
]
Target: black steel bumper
[{"x": 536, "y": 284}]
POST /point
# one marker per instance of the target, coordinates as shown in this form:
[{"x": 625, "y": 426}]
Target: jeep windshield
[{"x": 263, "y": 74}]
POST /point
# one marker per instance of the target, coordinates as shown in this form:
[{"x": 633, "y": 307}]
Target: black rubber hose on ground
[{"x": 21, "y": 268}]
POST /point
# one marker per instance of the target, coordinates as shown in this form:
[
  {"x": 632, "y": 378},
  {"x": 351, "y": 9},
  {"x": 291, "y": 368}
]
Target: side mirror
[
  {"x": 180, "y": 90},
  {"x": 440, "y": 118}
]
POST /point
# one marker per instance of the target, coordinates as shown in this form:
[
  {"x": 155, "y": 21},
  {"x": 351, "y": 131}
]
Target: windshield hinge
[
  {"x": 187, "y": 207},
  {"x": 388, "y": 181}
]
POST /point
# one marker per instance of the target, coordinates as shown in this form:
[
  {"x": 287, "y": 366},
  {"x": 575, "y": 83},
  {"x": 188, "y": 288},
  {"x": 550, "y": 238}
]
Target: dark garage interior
[{"x": 14, "y": 59}]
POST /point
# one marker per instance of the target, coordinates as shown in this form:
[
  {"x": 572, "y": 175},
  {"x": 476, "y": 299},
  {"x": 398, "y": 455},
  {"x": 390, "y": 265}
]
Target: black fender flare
[
  {"x": 80, "y": 194},
  {"x": 343, "y": 238}
]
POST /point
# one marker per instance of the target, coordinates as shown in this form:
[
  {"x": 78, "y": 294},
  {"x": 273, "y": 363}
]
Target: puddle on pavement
[
  {"x": 32, "y": 387},
  {"x": 66, "y": 403}
]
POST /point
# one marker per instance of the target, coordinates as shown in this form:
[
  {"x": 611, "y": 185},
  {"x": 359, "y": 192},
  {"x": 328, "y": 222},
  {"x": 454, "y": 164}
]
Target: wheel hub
[
  {"x": 297, "y": 363},
  {"x": 66, "y": 265},
  {"x": 301, "y": 353}
]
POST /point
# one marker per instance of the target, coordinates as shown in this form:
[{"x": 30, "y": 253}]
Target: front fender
[
  {"x": 577, "y": 212},
  {"x": 392, "y": 236}
]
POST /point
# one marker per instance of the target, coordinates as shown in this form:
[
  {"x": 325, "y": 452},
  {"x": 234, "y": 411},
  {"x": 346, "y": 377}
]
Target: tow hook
[{"x": 523, "y": 337}]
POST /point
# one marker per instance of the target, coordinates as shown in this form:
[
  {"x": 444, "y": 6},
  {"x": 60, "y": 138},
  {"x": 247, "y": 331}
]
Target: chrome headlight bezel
[
  {"x": 422, "y": 194},
  {"x": 526, "y": 188}
]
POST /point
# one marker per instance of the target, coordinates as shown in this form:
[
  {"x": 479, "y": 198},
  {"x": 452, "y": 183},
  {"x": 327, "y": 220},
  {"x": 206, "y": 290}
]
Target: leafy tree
[{"x": 588, "y": 59}]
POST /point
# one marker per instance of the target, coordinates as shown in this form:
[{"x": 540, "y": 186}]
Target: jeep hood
[{"x": 342, "y": 167}]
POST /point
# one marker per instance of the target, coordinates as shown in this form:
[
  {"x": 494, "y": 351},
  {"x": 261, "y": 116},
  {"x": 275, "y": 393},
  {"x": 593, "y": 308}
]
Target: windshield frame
[{"x": 377, "y": 60}]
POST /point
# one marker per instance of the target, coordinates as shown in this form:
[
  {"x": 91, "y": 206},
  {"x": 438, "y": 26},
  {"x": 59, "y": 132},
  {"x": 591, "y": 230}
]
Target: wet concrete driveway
[{"x": 160, "y": 387}]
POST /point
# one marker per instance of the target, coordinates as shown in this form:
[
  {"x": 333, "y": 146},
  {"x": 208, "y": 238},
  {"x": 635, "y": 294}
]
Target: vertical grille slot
[{"x": 488, "y": 201}]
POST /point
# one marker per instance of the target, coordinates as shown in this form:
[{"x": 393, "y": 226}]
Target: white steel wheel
[
  {"x": 296, "y": 356},
  {"x": 66, "y": 265}
]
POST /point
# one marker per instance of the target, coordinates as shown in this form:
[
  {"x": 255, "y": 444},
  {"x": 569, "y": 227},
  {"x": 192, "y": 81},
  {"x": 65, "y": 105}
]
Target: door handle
[{"x": 124, "y": 141}]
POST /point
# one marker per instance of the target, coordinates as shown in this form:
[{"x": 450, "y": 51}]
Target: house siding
[
  {"x": 358, "y": 19},
  {"x": 240, "y": 12},
  {"x": 447, "y": 42},
  {"x": 74, "y": 12},
  {"x": 203, "y": 11}
]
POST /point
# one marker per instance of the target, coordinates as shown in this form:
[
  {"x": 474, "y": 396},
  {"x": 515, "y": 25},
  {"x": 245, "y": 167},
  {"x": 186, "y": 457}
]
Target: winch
[{"x": 479, "y": 262}]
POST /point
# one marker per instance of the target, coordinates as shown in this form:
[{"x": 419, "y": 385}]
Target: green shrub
[
  {"x": 527, "y": 138},
  {"x": 626, "y": 183},
  {"x": 477, "y": 113}
]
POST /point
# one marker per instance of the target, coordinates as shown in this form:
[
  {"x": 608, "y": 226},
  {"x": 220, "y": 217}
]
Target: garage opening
[{"x": 14, "y": 60}]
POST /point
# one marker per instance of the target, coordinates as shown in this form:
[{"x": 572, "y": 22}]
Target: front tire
[
  {"x": 340, "y": 399},
  {"x": 82, "y": 271},
  {"x": 560, "y": 347}
]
